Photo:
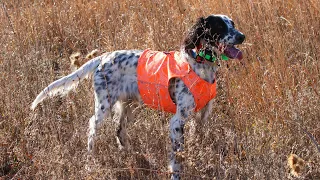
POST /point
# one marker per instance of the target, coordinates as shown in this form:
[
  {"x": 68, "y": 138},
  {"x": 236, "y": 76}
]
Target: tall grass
[{"x": 267, "y": 107}]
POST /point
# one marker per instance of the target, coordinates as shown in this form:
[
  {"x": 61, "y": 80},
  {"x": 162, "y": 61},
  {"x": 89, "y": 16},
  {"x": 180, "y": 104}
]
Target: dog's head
[{"x": 215, "y": 33}]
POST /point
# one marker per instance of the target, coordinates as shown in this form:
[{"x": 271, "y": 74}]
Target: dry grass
[
  {"x": 296, "y": 165},
  {"x": 266, "y": 109}
]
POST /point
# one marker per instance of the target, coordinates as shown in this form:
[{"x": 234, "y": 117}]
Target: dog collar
[{"x": 202, "y": 55}]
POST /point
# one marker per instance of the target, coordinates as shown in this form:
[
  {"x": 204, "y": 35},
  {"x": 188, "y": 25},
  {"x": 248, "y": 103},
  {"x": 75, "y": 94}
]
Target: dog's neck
[{"x": 205, "y": 70}]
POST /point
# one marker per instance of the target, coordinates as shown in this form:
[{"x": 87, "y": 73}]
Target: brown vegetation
[
  {"x": 267, "y": 107},
  {"x": 296, "y": 165},
  {"x": 77, "y": 59}
]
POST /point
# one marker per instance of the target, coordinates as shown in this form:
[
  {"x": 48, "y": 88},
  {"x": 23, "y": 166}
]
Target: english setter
[{"x": 115, "y": 80}]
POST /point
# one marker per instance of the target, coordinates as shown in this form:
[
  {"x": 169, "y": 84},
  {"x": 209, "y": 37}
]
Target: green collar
[{"x": 210, "y": 57}]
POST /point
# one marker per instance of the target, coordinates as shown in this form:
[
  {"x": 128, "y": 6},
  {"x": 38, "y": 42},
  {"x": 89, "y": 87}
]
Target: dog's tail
[{"x": 64, "y": 85}]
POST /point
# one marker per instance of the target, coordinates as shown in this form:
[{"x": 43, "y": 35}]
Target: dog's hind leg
[
  {"x": 102, "y": 110},
  {"x": 103, "y": 104},
  {"x": 126, "y": 117},
  {"x": 124, "y": 110}
]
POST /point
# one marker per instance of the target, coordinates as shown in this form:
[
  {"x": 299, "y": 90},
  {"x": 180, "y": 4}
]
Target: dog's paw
[
  {"x": 174, "y": 169},
  {"x": 123, "y": 145}
]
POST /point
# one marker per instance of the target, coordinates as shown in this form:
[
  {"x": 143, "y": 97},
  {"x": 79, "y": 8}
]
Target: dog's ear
[{"x": 195, "y": 34}]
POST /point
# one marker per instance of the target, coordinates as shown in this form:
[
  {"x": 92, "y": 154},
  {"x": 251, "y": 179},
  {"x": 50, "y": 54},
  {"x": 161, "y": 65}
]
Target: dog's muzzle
[
  {"x": 240, "y": 38},
  {"x": 231, "y": 51}
]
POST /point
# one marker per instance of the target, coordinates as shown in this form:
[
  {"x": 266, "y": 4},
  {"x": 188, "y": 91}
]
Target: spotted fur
[{"x": 115, "y": 82}]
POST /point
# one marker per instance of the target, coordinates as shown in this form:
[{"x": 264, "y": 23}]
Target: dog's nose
[{"x": 240, "y": 38}]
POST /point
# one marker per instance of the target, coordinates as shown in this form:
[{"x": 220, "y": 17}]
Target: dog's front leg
[
  {"x": 177, "y": 139},
  {"x": 206, "y": 112},
  {"x": 185, "y": 107},
  {"x": 203, "y": 117}
]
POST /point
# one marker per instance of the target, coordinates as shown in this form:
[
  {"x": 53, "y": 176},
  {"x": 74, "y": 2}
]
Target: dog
[{"x": 116, "y": 82}]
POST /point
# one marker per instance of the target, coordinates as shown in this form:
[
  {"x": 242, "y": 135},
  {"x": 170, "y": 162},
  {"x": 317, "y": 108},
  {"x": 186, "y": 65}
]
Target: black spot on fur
[
  {"x": 99, "y": 88},
  {"x": 108, "y": 71},
  {"x": 135, "y": 63},
  {"x": 131, "y": 56},
  {"x": 121, "y": 58},
  {"x": 103, "y": 84},
  {"x": 184, "y": 89},
  {"x": 183, "y": 113}
]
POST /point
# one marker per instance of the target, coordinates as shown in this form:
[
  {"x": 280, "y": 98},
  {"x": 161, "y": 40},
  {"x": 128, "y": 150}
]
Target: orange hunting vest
[{"x": 154, "y": 71}]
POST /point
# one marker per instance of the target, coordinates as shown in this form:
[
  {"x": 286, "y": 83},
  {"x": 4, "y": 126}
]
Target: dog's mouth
[{"x": 231, "y": 52}]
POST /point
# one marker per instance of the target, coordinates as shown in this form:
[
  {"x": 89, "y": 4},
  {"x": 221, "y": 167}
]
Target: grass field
[{"x": 266, "y": 108}]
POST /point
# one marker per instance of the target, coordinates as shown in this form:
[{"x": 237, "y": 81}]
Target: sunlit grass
[{"x": 267, "y": 107}]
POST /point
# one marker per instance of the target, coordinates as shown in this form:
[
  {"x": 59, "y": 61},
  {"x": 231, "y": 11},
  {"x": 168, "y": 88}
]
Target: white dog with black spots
[{"x": 115, "y": 80}]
